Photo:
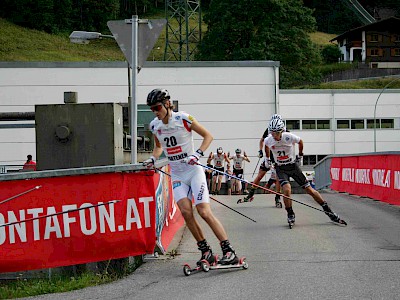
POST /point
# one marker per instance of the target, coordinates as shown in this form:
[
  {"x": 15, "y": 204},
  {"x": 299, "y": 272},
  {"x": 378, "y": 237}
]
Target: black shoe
[
  {"x": 229, "y": 258},
  {"x": 333, "y": 216},
  {"x": 248, "y": 199},
  {"x": 208, "y": 256}
]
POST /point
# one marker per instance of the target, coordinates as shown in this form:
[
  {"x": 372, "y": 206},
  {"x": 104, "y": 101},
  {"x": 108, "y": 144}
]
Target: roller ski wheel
[
  {"x": 245, "y": 200},
  {"x": 187, "y": 270},
  {"x": 244, "y": 263},
  {"x": 278, "y": 204},
  {"x": 202, "y": 265}
]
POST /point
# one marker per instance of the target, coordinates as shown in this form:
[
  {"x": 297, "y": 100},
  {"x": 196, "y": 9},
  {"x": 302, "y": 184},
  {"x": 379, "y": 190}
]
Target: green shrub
[{"x": 330, "y": 54}]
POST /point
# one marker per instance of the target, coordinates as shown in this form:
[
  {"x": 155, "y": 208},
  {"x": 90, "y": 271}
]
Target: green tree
[
  {"x": 275, "y": 30},
  {"x": 92, "y": 15}
]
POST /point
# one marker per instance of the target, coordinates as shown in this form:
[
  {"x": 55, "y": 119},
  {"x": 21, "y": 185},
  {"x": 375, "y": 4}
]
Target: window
[
  {"x": 371, "y": 123},
  {"x": 387, "y": 123},
  {"x": 313, "y": 159},
  {"x": 308, "y": 124},
  {"x": 374, "y": 37},
  {"x": 323, "y": 124},
  {"x": 374, "y": 52},
  {"x": 310, "y": 160},
  {"x": 357, "y": 124},
  {"x": 343, "y": 124},
  {"x": 380, "y": 123},
  {"x": 292, "y": 124},
  {"x": 396, "y": 52}
]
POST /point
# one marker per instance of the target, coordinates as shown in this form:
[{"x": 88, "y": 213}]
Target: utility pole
[{"x": 183, "y": 30}]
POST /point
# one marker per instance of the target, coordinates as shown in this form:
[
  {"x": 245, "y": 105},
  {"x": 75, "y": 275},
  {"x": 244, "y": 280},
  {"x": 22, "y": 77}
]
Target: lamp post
[
  {"x": 128, "y": 39},
  {"x": 133, "y": 104},
  {"x": 376, "y": 103},
  {"x": 84, "y": 37}
]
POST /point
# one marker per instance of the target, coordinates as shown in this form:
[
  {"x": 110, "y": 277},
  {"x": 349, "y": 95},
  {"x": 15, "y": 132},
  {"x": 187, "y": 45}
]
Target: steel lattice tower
[{"x": 183, "y": 30}]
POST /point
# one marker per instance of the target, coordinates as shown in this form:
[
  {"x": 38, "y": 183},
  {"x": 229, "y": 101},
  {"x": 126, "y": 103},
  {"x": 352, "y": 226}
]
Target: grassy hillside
[
  {"x": 321, "y": 38},
  {"x": 21, "y": 44}
]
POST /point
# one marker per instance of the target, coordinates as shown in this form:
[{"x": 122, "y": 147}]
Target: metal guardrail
[
  {"x": 4, "y": 169},
  {"x": 78, "y": 171},
  {"x": 322, "y": 173}
]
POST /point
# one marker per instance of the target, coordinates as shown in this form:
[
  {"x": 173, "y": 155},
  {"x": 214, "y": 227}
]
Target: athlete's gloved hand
[
  {"x": 194, "y": 158},
  {"x": 260, "y": 153},
  {"x": 299, "y": 159},
  {"x": 149, "y": 163},
  {"x": 267, "y": 162}
]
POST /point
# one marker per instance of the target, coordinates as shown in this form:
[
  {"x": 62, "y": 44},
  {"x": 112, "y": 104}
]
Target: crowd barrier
[
  {"x": 66, "y": 217},
  {"x": 374, "y": 175}
]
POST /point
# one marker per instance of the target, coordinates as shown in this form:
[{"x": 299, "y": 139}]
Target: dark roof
[{"x": 366, "y": 27}]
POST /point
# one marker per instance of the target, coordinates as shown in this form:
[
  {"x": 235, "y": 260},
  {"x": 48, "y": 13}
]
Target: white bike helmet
[
  {"x": 276, "y": 116},
  {"x": 276, "y": 125}
]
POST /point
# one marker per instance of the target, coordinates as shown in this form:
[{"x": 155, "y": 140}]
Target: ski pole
[
  {"x": 264, "y": 188},
  {"x": 23, "y": 193},
  {"x": 233, "y": 209},
  {"x": 59, "y": 213},
  {"x": 256, "y": 167},
  {"x": 158, "y": 169}
]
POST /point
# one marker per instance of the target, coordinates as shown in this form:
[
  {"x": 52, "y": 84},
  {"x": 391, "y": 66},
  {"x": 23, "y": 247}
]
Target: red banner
[
  {"x": 373, "y": 176},
  {"x": 87, "y": 231}
]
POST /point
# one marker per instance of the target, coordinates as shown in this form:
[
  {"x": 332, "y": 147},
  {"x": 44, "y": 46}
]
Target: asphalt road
[{"x": 317, "y": 259}]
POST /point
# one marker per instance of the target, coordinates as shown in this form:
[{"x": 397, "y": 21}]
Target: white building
[
  {"x": 342, "y": 121},
  {"x": 234, "y": 100}
]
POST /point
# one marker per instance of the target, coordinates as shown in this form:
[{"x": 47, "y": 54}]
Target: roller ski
[
  {"x": 239, "y": 263},
  {"x": 291, "y": 220},
  {"x": 248, "y": 198},
  {"x": 278, "y": 202},
  {"x": 245, "y": 199},
  {"x": 205, "y": 266},
  {"x": 333, "y": 216},
  {"x": 228, "y": 261},
  {"x": 209, "y": 261}
]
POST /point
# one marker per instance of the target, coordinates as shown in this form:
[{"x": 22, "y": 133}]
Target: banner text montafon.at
[{"x": 71, "y": 220}]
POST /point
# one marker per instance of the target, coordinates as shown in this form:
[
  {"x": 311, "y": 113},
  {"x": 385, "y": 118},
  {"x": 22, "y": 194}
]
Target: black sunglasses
[{"x": 156, "y": 107}]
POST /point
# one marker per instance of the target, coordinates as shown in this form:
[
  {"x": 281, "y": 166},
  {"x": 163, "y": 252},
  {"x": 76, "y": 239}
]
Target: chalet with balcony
[{"x": 376, "y": 44}]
